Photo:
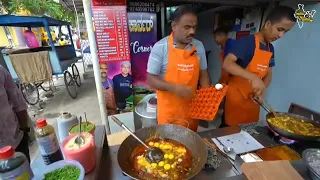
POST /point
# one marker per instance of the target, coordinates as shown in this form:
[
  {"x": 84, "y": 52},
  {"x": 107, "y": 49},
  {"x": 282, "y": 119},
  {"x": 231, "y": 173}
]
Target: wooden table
[{"x": 38, "y": 165}]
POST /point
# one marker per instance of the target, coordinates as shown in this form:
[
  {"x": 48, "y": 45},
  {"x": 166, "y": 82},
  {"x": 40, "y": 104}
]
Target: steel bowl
[
  {"x": 181, "y": 134},
  {"x": 308, "y": 156}
]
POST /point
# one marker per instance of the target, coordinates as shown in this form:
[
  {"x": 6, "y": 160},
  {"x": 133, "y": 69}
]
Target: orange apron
[
  {"x": 183, "y": 68},
  {"x": 224, "y": 74},
  {"x": 240, "y": 109}
]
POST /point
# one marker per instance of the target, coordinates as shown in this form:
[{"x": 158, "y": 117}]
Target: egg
[
  {"x": 161, "y": 163},
  {"x": 167, "y": 166},
  {"x": 167, "y": 146},
  {"x": 171, "y": 156},
  {"x": 140, "y": 161},
  {"x": 151, "y": 143},
  {"x": 156, "y": 144},
  {"x": 181, "y": 150},
  {"x": 154, "y": 165},
  {"x": 166, "y": 156},
  {"x": 218, "y": 86}
]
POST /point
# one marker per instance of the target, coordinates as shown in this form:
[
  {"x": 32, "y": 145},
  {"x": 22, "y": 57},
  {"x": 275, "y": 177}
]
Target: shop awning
[
  {"x": 30, "y": 21},
  {"x": 68, "y": 4}
]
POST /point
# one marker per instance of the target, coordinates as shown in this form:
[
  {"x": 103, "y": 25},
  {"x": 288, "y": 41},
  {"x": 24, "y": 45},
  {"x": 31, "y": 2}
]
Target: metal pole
[
  {"x": 78, "y": 32},
  {"x": 163, "y": 19},
  {"x": 95, "y": 63}
]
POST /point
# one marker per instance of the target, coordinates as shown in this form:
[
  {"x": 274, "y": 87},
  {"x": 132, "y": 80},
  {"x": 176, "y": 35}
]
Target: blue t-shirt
[
  {"x": 244, "y": 48},
  {"x": 229, "y": 44},
  {"x": 122, "y": 87}
]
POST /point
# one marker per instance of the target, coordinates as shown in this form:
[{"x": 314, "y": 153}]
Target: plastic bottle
[
  {"x": 14, "y": 165},
  {"x": 48, "y": 143}
]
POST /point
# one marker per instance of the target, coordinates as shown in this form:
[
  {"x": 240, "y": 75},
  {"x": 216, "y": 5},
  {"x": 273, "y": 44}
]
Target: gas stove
[{"x": 298, "y": 146}]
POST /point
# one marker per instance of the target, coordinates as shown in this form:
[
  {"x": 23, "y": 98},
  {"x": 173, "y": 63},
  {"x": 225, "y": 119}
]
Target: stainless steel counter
[{"x": 225, "y": 171}]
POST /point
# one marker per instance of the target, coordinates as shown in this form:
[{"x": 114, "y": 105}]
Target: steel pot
[{"x": 145, "y": 113}]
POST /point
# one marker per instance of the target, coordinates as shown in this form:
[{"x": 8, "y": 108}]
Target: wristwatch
[{"x": 27, "y": 129}]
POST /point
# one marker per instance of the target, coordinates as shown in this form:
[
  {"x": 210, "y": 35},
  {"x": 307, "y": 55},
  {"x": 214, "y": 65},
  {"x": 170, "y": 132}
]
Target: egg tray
[{"x": 205, "y": 104}]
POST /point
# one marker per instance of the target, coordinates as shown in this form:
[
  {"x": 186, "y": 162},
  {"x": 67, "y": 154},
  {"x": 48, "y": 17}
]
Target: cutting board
[{"x": 270, "y": 170}]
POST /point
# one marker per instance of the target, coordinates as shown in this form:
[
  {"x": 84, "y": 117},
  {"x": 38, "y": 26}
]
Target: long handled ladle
[{"x": 153, "y": 154}]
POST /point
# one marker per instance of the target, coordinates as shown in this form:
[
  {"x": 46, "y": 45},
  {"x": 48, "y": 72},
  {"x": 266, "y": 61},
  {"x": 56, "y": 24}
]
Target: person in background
[
  {"x": 221, "y": 38},
  {"x": 14, "y": 117},
  {"x": 176, "y": 64},
  {"x": 250, "y": 63},
  {"x": 106, "y": 81},
  {"x": 108, "y": 90},
  {"x": 123, "y": 85}
]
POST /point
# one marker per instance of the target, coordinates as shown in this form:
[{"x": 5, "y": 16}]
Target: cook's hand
[
  {"x": 183, "y": 90},
  {"x": 258, "y": 86},
  {"x": 260, "y": 98},
  {"x": 257, "y": 98}
]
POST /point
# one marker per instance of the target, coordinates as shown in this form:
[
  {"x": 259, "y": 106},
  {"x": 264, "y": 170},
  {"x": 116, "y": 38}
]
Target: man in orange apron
[
  {"x": 250, "y": 62},
  {"x": 221, "y": 38},
  {"x": 176, "y": 64}
]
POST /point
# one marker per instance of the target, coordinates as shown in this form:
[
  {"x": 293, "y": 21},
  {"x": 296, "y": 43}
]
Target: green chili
[
  {"x": 84, "y": 128},
  {"x": 65, "y": 173}
]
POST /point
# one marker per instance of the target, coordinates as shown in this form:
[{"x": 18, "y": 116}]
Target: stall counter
[
  {"x": 108, "y": 168},
  {"x": 37, "y": 165}
]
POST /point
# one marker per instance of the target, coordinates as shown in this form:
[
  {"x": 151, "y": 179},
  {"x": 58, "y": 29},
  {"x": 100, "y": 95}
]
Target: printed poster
[
  {"x": 111, "y": 30},
  {"x": 142, "y": 37}
]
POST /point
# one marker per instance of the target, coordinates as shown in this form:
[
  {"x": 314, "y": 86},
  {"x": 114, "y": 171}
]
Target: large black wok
[
  {"x": 183, "y": 135},
  {"x": 285, "y": 133}
]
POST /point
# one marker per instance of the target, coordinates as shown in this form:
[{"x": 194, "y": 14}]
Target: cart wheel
[
  {"x": 76, "y": 74},
  {"x": 30, "y": 93},
  {"x": 70, "y": 84},
  {"x": 46, "y": 87}
]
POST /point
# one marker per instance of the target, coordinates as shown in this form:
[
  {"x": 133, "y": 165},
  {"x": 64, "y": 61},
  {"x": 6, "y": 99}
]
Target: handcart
[{"x": 60, "y": 57}]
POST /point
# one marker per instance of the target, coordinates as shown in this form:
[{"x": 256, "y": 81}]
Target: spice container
[
  {"x": 14, "y": 165},
  {"x": 65, "y": 122},
  {"x": 84, "y": 153},
  {"x": 47, "y": 142}
]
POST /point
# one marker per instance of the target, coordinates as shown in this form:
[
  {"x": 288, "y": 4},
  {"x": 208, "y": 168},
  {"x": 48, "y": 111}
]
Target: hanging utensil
[
  {"x": 153, "y": 154},
  {"x": 79, "y": 140}
]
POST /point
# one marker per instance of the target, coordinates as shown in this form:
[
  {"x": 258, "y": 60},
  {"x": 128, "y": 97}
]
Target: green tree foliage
[{"x": 39, "y": 8}]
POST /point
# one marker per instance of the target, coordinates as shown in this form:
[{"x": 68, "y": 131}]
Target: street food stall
[
  {"x": 251, "y": 144},
  {"x": 60, "y": 57}
]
